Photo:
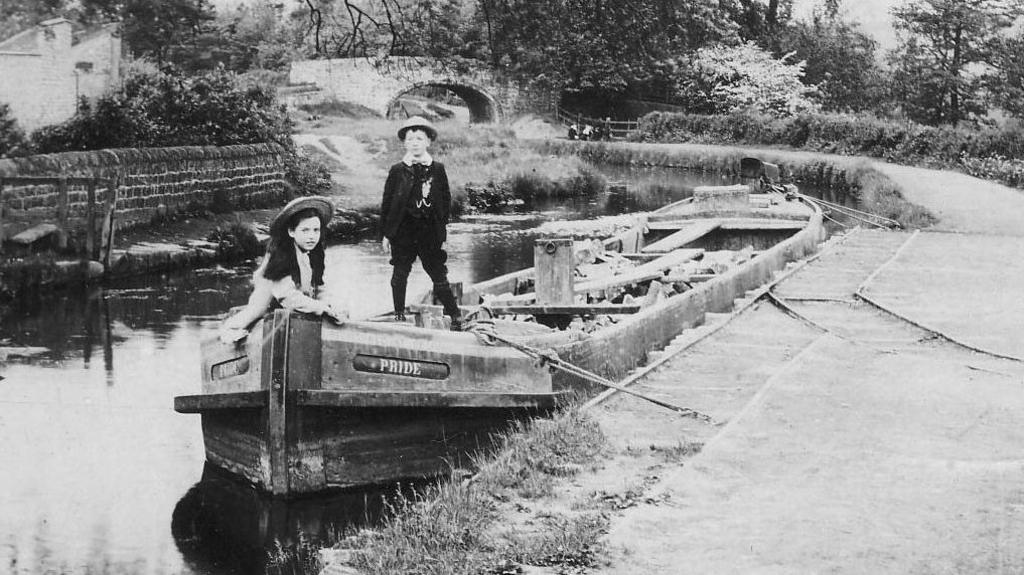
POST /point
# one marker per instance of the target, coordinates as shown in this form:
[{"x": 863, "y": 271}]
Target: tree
[
  {"x": 745, "y": 78},
  {"x": 840, "y": 59},
  {"x": 1006, "y": 84},
  {"x": 600, "y": 46},
  {"x": 18, "y": 15},
  {"x": 151, "y": 29},
  {"x": 12, "y": 138},
  {"x": 944, "y": 46}
]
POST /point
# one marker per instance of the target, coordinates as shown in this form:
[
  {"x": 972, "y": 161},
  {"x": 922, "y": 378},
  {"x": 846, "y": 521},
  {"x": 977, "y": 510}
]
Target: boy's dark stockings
[{"x": 417, "y": 240}]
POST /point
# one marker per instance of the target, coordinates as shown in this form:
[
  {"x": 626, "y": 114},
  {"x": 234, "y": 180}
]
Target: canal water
[{"x": 99, "y": 475}]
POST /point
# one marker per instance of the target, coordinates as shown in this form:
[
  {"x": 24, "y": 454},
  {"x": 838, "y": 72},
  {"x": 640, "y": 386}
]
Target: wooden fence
[
  {"x": 94, "y": 250},
  {"x": 617, "y": 129}
]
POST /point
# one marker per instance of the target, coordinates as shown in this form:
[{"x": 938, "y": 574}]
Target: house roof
[{"x": 27, "y": 41}]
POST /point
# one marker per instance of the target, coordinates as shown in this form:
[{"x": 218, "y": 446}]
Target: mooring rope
[
  {"x": 484, "y": 330},
  {"x": 853, "y": 213},
  {"x": 861, "y": 295}
]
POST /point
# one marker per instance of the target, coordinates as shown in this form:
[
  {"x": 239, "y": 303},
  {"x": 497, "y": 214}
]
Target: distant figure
[
  {"x": 588, "y": 132},
  {"x": 606, "y": 128},
  {"x": 574, "y": 132}
]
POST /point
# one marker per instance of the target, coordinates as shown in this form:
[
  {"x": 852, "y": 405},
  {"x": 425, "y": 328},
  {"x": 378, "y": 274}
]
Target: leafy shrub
[
  {"x": 726, "y": 79},
  {"x": 1006, "y": 170},
  {"x": 838, "y": 133},
  {"x": 12, "y": 138},
  {"x": 490, "y": 197},
  {"x": 235, "y": 242},
  {"x": 157, "y": 108}
]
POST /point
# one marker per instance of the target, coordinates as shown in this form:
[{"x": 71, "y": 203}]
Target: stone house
[{"x": 43, "y": 72}]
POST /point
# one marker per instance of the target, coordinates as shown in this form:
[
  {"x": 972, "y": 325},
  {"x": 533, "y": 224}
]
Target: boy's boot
[
  {"x": 443, "y": 292},
  {"x": 398, "y": 297}
]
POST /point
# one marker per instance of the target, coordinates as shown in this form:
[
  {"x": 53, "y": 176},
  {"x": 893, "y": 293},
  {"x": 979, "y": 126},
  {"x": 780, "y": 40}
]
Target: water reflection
[
  {"x": 100, "y": 474},
  {"x": 222, "y": 526}
]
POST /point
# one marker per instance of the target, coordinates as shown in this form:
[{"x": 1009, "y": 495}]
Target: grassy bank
[
  {"x": 847, "y": 179},
  {"x": 992, "y": 153},
  {"x": 503, "y": 516},
  {"x": 487, "y": 166}
]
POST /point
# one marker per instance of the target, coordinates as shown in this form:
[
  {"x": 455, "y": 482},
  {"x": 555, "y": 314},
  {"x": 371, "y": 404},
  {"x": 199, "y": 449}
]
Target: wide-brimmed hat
[
  {"x": 417, "y": 122},
  {"x": 323, "y": 206}
]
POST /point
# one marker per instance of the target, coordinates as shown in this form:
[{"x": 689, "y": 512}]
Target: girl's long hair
[{"x": 281, "y": 261}]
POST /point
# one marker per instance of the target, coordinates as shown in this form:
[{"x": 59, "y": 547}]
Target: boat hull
[{"x": 302, "y": 406}]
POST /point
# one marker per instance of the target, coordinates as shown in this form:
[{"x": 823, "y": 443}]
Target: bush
[
  {"x": 158, "y": 108},
  {"x": 838, "y": 134},
  {"x": 12, "y": 138}
]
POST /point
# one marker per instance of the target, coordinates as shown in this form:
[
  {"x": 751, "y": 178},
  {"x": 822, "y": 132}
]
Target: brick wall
[{"x": 152, "y": 183}]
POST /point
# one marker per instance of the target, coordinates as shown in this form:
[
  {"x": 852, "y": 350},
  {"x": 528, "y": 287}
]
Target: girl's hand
[
  {"x": 386, "y": 244},
  {"x": 337, "y": 315}
]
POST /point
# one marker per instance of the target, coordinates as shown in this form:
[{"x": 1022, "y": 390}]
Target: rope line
[{"x": 484, "y": 330}]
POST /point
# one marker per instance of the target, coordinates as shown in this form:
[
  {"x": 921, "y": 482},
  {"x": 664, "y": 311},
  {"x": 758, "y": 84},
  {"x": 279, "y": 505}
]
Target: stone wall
[
  {"x": 376, "y": 86},
  {"x": 152, "y": 183}
]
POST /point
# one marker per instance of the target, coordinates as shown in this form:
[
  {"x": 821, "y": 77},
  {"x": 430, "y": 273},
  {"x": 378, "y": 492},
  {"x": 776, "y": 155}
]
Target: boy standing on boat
[{"x": 414, "y": 218}]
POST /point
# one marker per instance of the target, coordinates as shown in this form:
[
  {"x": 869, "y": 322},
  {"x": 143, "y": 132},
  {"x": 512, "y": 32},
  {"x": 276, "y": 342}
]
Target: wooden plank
[
  {"x": 763, "y": 224},
  {"x": 107, "y": 234},
  {"x": 62, "y": 213},
  {"x": 553, "y": 261},
  {"x": 277, "y": 416},
  {"x": 578, "y": 309},
  {"x": 769, "y": 223},
  {"x": 690, "y": 278},
  {"x": 1, "y": 215},
  {"x": 682, "y": 237},
  {"x": 90, "y": 220},
  {"x": 214, "y": 401},
  {"x": 641, "y": 257},
  {"x": 644, "y": 272},
  {"x": 327, "y": 398}
]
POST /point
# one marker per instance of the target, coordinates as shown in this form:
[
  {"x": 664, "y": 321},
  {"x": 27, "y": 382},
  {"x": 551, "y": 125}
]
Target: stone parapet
[{"x": 152, "y": 183}]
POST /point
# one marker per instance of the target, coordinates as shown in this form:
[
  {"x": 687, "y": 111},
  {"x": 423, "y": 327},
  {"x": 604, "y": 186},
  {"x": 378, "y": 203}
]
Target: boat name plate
[
  {"x": 396, "y": 366},
  {"x": 230, "y": 368}
]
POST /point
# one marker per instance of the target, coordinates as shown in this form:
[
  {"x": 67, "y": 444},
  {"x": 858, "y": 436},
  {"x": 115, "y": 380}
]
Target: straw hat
[
  {"x": 324, "y": 208},
  {"x": 417, "y": 122}
]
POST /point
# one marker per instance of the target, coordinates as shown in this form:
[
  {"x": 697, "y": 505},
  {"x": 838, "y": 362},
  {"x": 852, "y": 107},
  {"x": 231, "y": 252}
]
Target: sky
[{"x": 873, "y": 16}]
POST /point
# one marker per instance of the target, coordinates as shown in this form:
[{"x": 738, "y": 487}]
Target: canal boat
[{"x": 303, "y": 405}]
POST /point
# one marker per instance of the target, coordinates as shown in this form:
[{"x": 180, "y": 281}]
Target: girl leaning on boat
[{"x": 292, "y": 272}]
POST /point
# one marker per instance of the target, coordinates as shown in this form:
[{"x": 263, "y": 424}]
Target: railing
[
  {"x": 617, "y": 129},
  {"x": 100, "y": 250}
]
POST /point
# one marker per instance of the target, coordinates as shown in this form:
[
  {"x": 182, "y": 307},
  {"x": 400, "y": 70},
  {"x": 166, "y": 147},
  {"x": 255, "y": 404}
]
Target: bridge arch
[
  {"x": 483, "y": 107},
  {"x": 490, "y": 97}
]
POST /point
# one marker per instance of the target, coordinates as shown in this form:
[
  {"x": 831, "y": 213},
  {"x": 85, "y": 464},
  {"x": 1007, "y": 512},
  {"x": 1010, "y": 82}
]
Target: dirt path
[{"x": 872, "y": 448}]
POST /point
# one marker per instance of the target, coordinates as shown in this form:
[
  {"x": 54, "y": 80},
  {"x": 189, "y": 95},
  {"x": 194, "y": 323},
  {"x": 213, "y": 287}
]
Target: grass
[
  {"x": 461, "y": 527},
  {"x": 852, "y": 178},
  {"x": 476, "y": 156}
]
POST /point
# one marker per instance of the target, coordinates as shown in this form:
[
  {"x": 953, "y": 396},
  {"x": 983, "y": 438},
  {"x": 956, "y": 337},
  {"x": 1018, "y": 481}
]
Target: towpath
[{"x": 855, "y": 441}]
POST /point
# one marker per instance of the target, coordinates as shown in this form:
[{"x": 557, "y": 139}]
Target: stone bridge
[{"x": 378, "y": 85}]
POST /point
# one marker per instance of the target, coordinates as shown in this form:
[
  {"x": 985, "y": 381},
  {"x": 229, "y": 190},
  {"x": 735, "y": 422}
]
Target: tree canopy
[{"x": 945, "y": 46}]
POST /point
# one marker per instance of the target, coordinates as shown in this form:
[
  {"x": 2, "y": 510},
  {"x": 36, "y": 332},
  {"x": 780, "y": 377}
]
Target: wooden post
[
  {"x": 62, "y": 213},
  {"x": 90, "y": 220},
  {"x": 277, "y": 393},
  {"x": 1, "y": 215},
  {"x": 553, "y": 263},
  {"x": 107, "y": 237}
]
